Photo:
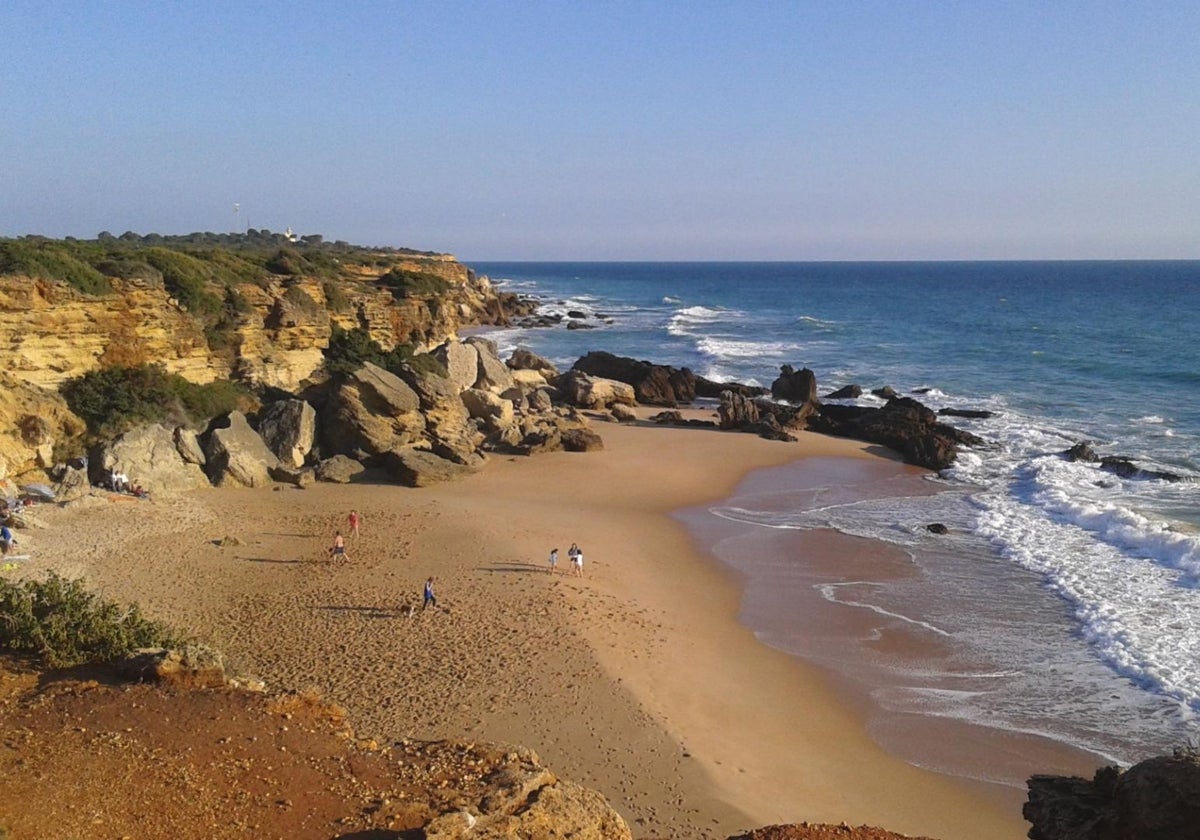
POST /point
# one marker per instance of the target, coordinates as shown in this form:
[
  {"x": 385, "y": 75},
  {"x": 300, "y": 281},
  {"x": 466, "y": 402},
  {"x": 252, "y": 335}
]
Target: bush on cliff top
[
  {"x": 51, "y": 261},
  {"x": 115, "y": 399},
  {"x": 404, "y": 284},
  {"x": 61, "y": 623}
]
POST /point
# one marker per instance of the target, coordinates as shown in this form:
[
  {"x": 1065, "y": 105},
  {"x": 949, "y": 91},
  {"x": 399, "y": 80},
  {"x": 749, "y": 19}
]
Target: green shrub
[
  {"x": 301, "y": 299},
  {"x": 404, "y": 284},
  {"x": 286, "y": 261},
  {"x": 349, "y": 350},
  {"x": 187, "y": 278},
  {"x": 335, "y": 298},
  {"x": 53, "y": 261},
  {"x": 116, "y": 399},
  {"x": 63, "y": 624}
]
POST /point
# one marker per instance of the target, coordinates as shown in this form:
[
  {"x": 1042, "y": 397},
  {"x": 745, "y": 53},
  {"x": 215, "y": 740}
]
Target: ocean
[{"x": 1063, "y": 606}]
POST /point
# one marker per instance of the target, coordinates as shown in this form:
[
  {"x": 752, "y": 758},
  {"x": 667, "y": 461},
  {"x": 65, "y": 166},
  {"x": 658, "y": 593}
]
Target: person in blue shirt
[
  {"x": 430, "y": 598},
  {"x": 7, "y": 540}
]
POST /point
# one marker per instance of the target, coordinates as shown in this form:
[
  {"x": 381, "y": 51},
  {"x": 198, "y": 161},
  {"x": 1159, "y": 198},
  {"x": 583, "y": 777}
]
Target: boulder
[
  {"x": 769, "y": 428},
  {"x": 585, "y": 391},
  {"x": 72, "y": 485},
  {"x": 846, "y": 392},
  {"x": 795, "y": 386},
  {"x": 461, "y": 361},
  {"x": 236, "y": 455},
  {"x": 1157, "y": 799},
  {"x": 338, "y": 470},
  {"x": 624, "y": 414},
  {"x": 493, "y": 374},
  {"x": 710, "y": 389},
  {"x": 581, "y": 440},
  {"x": 528, "y": 381},
  {"x": 495, "y": 412},
  {"x": 298, "y": 477},
  {"x": 1081, "y": 452},
  {"x": 887, "y": 392},
  {"x": 151, "y": 459},
  {"x": 527, "y": 360},
  {"x": 972, "y": 413},
  {"x": 187, "y": 444},
  {"x": 539, "y": 401},
  {"x": 937, "y": 528},
  {"x": 522, "y": 799},
  {"x": 736, "y": 411},
  {"x": 288, "y": 427},
  {"x": 370, "y": 412},
  {"x": 652, "y": 384},
  {"x": 190, "y": 666},
  {"x": 421, "y": 468}
]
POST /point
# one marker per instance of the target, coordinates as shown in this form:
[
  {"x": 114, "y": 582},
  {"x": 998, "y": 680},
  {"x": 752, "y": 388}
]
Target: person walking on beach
[
  {"x": 339, "y": 547},
  {"x": 355, "y": 521},
  {"x": 554, "y": 561},
  {"x": 430, "y": 598},
  {"x": 577, "y": 561}
]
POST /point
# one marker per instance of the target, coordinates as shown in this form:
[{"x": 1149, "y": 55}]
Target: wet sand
[{"x": 636, "y": 679}]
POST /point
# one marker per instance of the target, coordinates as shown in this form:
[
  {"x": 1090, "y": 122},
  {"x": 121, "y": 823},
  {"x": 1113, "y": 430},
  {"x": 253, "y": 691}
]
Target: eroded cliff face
[{"x": 50, "y": 333}]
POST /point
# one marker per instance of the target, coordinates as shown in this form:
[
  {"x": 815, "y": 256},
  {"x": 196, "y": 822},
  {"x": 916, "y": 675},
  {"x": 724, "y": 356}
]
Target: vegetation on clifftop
[{"x": 61, "y": 623}]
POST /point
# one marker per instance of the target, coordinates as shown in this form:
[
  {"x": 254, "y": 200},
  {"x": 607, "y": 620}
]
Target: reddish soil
[{"x": 82, "y": 756}]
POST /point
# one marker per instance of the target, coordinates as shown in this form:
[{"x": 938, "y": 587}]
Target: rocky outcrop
[
  {"x": 421, "y": 468},
  {"x": 736, "y": 411},
  {"x": 581, "y": 440},
  {"x": 190, "y": 666},
  {"x": 1119, "y": 465},
  {"x": 236, "y": 455},
  {"x": 33, "y": 422},
  {"x": 585, "y": 391},
  {"x": 150, "y": 457},
  {"x": 652, "y": 384},
  {"x": 339, "y": 469},
  {"x": 52, "y": 332},
  {"x": 846, "y": 392},
  {"x": 493, "y": 374},
  {"x": 461, "y": 361},
  {"x": 523, "y": 799},
  {"x": 795, "y": 386},
  {"x": 288, "y": 427},
  {"x": 903, "y": 425},
  {"x": 1157, "y": 799},
  {"x": 523, "y": 359},
  {"x": 370, "y": 412}
]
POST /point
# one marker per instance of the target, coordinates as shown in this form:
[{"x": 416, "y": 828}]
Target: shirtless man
[{"x": 339, "y": 547}]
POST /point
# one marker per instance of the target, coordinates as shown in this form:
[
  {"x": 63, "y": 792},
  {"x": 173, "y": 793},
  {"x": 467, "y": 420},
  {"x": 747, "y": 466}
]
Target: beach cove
[{"x": 637, "y": 680}]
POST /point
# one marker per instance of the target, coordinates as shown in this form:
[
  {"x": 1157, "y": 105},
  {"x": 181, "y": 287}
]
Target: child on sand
[
  {"x": 554, "y": 561},
  {"x": 430, "y": 598},
  {"x": 577, "y": 560},
  {"x": 339, "y": 547},
  {"x": 355, "y": 521}
]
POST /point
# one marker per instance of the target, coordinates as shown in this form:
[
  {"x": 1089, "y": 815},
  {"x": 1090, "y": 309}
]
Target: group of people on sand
[
  {"x": 337, "y": 551},
  {"x": 574, "y": 554}
]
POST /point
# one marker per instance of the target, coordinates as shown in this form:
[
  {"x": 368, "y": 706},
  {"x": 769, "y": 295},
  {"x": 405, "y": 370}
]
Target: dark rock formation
[
  {"x": 581, "y": 440},
  {"x": 974, "y": 413},
  {"x": 674, "y": 418},
  {"x": 1158, "y": 799},
  {"x": 848, "y": 392},
  {"x": 904, "y": 425},
  {"x": 652, "y": 384},
  {"x": 288, "y": 427},
  {"x": 887, "y": 392},
  {"x": 709, "y": 389},
  {"x": 736, "y": 411},
  {"x": 1116, "y": 464},
  {"x": 937, "y": 528},
  {"x": 795, "y": 386}
]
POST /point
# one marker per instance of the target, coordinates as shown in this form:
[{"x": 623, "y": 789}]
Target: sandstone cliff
[{"x": 49, "y": 332}]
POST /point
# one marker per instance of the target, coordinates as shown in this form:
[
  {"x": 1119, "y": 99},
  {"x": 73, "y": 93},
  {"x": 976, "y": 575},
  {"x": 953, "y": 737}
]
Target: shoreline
[{"x": 637, "y": 680}]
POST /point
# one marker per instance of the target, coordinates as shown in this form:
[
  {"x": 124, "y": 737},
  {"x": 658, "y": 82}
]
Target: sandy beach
[{"x": 636, "y": 679}]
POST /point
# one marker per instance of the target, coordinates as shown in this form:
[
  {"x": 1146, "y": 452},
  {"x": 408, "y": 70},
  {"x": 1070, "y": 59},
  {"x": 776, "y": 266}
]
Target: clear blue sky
[{"x": 614, "y": 130}]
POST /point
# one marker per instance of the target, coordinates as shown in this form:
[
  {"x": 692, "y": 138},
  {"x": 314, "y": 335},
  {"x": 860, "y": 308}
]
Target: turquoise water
[{"x": 1053, "y": 567}]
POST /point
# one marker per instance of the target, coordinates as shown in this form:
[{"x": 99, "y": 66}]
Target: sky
[{"x": 613, "y": 130}]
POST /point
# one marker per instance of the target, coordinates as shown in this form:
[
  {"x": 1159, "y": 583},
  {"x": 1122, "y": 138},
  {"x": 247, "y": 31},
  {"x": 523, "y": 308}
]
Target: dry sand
[{"x": 635, "y": 679}]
